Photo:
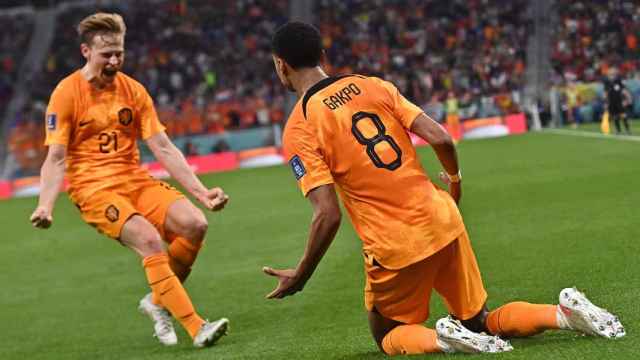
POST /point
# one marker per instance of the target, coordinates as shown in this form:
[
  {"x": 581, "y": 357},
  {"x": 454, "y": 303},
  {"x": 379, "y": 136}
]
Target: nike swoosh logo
[
  {"x": 83, "y": 123},
  {"x": 166, "y": 291}
]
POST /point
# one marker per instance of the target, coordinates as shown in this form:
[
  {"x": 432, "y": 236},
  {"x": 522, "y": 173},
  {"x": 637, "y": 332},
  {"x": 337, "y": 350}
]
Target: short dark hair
[{"x": 298, "y": 44}]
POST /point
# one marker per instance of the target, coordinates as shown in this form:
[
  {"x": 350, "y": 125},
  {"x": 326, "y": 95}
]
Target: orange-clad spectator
[
  {"x": 223, "y": 109},
  {"x": 489, "y": 33},
  {"x": 276, "y": 114},
  {"x": 247, "y": 112},
  {"x": 518, "y": 69},
  {"x": 192, "y": 116},
  {"x": 25, "y": 142},
  {"x": 632, "y": 41},
  {"x": 604, "y": 68},
  {"x": 451, "y": 41},
  {"x": 213, "y": 123},
  {"x": 180, "y": 125},
  {"x": 250, "y": 43},
  {"x": 359, "y": 47},
  {"x": 167, "y": 116},
  {"x": 505, "y": 102},
  {"x": 628, "y": 67}
]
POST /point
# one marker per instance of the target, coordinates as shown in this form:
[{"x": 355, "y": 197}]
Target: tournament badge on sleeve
[
  {"x": 51, "y": 121},
  {"x": 297, "y": 167}
]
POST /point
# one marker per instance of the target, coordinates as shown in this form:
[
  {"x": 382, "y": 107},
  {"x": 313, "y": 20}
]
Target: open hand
[
  {"x": 215, "y": 199},
  {"x": 41, "y": 218},
  {"x": 288, "y": 282}
]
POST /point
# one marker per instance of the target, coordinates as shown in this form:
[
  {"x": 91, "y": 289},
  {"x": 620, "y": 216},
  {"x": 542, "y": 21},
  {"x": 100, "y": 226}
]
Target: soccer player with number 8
[{"x": 351, "y": 132}]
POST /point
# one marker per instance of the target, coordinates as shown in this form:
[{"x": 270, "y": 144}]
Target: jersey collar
[{"x": 317, "y": 87}]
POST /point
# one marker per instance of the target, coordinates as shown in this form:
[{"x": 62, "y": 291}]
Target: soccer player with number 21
[{"x": 94, "y": 118}]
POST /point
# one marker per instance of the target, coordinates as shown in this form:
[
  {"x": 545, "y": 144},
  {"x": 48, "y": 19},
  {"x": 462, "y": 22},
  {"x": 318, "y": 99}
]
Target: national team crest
[
  {"x": 112, "y": 213},
  {"x": 125, "y": 116}
]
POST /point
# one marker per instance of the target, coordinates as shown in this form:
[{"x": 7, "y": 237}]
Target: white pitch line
[{"x": 592, "y": 134}]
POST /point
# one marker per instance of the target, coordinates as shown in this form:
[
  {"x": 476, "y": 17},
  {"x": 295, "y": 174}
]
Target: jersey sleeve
[
  {"x": 404, "y": 110},
  {"x": 303, "y": 154},
  {"x": 149, "y": 122},
  {"x": 59, "y": 116}
]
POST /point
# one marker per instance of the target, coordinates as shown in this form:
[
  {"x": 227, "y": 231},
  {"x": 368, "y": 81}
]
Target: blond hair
[{"x": 100, "y": 23}]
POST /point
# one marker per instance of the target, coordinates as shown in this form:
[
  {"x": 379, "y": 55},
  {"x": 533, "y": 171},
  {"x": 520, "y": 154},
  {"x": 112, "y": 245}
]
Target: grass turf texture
[{"x": 544, "y": 212}]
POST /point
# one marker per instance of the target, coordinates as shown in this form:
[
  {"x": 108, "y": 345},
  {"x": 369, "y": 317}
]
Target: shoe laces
[{"x": 163, "y": 321}]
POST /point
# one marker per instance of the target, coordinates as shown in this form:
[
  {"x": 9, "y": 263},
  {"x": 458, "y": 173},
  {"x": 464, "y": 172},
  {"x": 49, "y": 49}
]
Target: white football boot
[
  {"x": 454, "y": 337},
  {"x": 210, "y": 332},
  {"x": 576, "y": 312},
  {"x": 162, "y": 325}
]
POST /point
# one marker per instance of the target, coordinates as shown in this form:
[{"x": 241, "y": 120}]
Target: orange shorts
[
  {"x": 109, "y": 209},
  {"x": 403, "y": 295}
]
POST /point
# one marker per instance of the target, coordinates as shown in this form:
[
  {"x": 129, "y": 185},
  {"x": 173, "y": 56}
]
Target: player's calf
[{"x": 182, "y": 256}]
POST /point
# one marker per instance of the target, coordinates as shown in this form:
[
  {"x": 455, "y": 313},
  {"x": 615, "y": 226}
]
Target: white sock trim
[
  {"x": 444, "y": 346},
  {"x": 561, "y": 319}
]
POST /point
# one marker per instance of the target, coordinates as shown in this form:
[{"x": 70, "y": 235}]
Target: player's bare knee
[
  {"x": 196, "y": 229},
  {"x": 150, "y": 243}
]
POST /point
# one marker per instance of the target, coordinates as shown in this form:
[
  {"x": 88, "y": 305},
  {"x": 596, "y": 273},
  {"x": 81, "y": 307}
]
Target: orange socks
[
  {"x": 169, "y": 290},
  {"x": 182, "y": 255},
  {"x": 516, "y": 319},
  {"x": 410, "y": 339},
  {"x": 520, "y": 319}
]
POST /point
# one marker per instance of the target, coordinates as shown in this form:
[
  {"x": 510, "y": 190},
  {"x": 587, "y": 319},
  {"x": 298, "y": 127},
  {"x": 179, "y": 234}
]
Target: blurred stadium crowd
[
  {"x": 455, "y": 56},
  {"x": 594, "y": 36},
  {"x": 208, "y": 64},
  {"x": 596, "y": 40}
]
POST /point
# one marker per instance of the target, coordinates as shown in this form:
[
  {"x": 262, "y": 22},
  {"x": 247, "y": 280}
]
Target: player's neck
[
  {"x": 306, "y": 78},
  {"x": 93, "y": 77}
]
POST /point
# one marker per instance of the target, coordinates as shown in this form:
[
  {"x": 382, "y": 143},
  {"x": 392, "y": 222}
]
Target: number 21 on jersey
[{"x": 108, "y": 142}]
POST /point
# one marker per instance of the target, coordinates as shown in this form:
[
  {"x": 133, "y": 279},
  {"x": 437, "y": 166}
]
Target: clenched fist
[{"x": 41, "y": 218}]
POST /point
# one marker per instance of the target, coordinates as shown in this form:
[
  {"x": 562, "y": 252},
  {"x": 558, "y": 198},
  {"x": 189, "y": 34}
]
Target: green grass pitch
[{"x": 544, "y": 212}]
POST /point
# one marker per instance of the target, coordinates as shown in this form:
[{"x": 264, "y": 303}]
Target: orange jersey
[
  {"x": 99, "y": 128},
  {"x": 352, "y": 131}
]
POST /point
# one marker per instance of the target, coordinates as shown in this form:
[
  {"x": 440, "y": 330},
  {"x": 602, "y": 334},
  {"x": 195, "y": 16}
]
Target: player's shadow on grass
[
  {"x": 542, "y": 341},
  {"x": 550, "y": 338},
  {"x": 378, "y": 355}
]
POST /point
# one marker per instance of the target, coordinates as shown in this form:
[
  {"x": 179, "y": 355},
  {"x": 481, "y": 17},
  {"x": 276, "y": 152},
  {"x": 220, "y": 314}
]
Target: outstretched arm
[
  {"x": 51, "y": 177},
  {"x": 442, "y": 144},
  {"x": 325, "y": 224},
  {"x": 174, "y": 162}
]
